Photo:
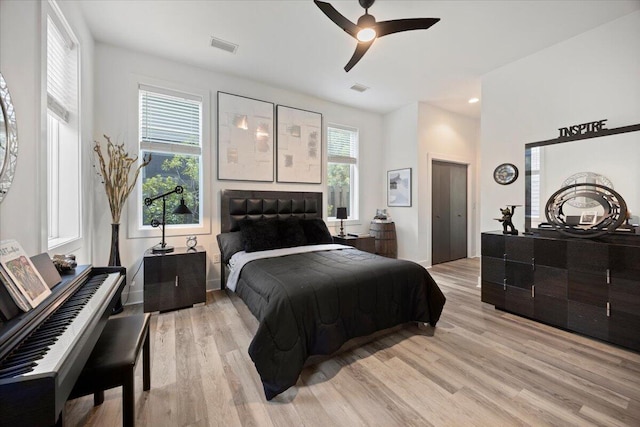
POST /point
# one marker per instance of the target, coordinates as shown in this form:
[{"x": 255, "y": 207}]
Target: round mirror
[{"x": 8, "y": 139}]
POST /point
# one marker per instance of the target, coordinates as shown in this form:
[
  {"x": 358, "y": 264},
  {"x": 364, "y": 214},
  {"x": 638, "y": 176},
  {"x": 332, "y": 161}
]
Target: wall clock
[{"x": 505, "y": 173}]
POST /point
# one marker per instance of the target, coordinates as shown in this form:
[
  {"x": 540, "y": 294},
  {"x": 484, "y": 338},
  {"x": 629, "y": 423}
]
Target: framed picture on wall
[
  {"x": 299, "y": 152},
  {"x": 399, "y": 187},
  {"x": 245, "y": 138}
]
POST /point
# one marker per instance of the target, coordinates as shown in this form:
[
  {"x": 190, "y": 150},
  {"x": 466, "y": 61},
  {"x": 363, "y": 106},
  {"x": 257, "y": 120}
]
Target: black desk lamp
[
  {"x": 182, "y": 209},
  {"x": 341, "y": 214}
]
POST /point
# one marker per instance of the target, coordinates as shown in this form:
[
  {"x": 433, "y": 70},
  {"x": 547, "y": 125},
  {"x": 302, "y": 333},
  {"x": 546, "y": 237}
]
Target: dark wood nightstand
[
  {"x": 364, "y": 243},
  {"x": 174, "y": 280}
]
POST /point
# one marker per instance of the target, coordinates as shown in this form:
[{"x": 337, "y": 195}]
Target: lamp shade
[
  {"x": 341, "y": 213},
  {"x": 182, "y": 208}
]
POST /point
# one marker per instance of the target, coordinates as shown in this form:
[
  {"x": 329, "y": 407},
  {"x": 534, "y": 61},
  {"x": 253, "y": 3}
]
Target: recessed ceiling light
[
  {"x": 224, "y": 45},
  {"x": 473, "y": 100},
  {"x": 359, "y": 87}
]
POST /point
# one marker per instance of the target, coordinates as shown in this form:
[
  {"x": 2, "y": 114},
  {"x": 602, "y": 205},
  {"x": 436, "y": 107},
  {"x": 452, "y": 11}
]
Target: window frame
[
  {"x": 58, "y": 237},
  {"x": 135, "y": 204},
  {"x": 354, "y": 194},
  {"x": 538, "y": 172}
]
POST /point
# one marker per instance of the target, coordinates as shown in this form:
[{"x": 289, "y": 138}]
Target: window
[
  {"x": 342, "y": 170},
  {"x": 64, "y": 208},
  {"x": 170, "y": 130},
  {"x": 535, "y": 182}
]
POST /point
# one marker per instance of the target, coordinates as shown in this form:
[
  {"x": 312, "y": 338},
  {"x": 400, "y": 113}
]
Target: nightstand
[
  {"x": 364, "y": 243},
  {"x": 174, "y": 280}
]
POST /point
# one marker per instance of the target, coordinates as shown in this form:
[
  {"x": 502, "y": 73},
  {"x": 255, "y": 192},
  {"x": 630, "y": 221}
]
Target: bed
[{"x": 310, "y": 296}]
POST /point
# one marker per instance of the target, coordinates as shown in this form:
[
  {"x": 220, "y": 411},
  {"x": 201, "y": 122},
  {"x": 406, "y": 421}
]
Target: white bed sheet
[{"x": 240, "y": 259}]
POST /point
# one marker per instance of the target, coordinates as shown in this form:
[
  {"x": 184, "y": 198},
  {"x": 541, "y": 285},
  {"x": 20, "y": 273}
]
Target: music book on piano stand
[
  {"x": 22, "y": 274},
  {"x": 11, "y": 301}
]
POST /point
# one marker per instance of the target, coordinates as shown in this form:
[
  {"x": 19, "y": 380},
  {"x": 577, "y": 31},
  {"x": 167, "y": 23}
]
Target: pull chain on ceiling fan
[{"x": 367, "y": 30}]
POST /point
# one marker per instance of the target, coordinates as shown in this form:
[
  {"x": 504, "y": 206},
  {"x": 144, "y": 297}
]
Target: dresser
[{"x": 583, "y": 285}]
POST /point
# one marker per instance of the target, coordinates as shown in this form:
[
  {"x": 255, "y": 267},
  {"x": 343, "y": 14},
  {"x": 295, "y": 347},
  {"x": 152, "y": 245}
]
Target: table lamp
[
  {"x": 341, "y": 214},
  {"x": 181, "y": 209}
]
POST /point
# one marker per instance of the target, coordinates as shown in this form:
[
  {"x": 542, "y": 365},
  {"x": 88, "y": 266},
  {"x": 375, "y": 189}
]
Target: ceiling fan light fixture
[
  {"x": 366, "y": 34},
  {"x": 367, "y": 30}
]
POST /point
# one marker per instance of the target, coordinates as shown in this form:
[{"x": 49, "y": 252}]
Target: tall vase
[{"x": 114, "y": 260}]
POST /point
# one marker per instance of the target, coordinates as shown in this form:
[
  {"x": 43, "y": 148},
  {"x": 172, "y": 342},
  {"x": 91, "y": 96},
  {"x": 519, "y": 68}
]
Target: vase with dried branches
[{"x": 119, "y": 174}]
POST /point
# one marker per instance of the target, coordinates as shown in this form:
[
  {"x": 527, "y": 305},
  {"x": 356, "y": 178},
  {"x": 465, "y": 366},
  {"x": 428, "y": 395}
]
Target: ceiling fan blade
[
  {"x": 398, "y": 25},
  {"x": 361, "y": 49},
  {"x": 342, "y": 22}
]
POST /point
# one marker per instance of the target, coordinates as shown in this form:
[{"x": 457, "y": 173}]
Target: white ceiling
[{"x": 292, "y": 44}]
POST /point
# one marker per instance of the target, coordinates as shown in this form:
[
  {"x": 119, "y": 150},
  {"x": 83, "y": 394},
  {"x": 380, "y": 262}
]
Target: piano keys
[{"x": 43, "y": 351}]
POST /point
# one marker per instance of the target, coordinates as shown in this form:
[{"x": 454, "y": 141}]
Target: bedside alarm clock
[{"x": 192, "y": 241}]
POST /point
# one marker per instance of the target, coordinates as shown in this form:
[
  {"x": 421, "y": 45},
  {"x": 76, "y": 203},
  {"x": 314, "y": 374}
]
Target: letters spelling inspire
[{"x": 590, "y": 127}]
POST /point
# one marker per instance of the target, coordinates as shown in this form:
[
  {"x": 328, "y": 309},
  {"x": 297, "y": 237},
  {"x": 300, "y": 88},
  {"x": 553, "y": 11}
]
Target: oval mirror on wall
[{"x": 8, "y": 139}]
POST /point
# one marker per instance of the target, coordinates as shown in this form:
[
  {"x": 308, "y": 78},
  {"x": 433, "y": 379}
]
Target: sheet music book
[
  {"x": 21, "y": 275},
  {"x": 11, "y": 300}
]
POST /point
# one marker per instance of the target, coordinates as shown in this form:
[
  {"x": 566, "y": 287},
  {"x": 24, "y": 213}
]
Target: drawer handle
[
  {"x": 533, "y": 291},
  {"x": 504, "y": 284},
  {"x": 176, "y": 281},
  {"x": 608, "y": 309},
  {"x": 608, "y": 276},
  {"x": 533, "y": 264}
]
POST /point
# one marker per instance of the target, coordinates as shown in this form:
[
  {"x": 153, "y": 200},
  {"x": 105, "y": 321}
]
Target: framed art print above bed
[
  {"x": 245, "y": 138},
  {"x": 299, "y": 152}
]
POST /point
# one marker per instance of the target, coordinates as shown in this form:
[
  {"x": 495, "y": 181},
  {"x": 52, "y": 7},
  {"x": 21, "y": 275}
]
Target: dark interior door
[{"x": 449, "y": 212}]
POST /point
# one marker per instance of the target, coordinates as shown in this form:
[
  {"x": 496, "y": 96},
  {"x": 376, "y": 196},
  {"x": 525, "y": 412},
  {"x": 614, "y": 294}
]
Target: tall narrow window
[
  {"x": 342, "y": 170},
  {"x": 535, "y": 183},
  {"x": 63, "y": 132},
  {"x": 171, "y": 132}
]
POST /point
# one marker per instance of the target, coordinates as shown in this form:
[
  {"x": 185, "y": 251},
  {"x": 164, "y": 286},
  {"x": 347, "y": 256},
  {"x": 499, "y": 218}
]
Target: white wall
[
  {"x": 20, "y": 65},
  {"x": 593, "y": 76},
  {"x": 117, "y": 68},
  {"x": 452, "y": 138},
  {"x": 23, "y": 210},
  {"x": 400, "y": 149},
  {"x": 415, "y": 135}
]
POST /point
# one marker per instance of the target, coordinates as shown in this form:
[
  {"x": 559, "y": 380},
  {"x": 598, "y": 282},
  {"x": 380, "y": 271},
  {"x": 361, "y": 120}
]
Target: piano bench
[{"x": 112, "y": 363}]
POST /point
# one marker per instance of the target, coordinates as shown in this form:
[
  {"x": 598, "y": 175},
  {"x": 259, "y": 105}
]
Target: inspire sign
[{"x": 584, "y": 128}]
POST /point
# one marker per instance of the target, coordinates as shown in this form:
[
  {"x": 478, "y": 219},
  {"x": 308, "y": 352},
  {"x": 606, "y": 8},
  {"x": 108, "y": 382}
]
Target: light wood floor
[{"x": 479, "y": 366}]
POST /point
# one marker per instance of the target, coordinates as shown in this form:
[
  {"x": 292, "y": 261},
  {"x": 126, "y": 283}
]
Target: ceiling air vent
[
  {"x": 224, "y": 45},
  {"x": 359, "y": 88}
]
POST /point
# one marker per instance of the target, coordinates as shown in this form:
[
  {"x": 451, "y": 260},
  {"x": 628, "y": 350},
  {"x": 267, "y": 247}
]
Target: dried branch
[{"x": 115, "y": 175}]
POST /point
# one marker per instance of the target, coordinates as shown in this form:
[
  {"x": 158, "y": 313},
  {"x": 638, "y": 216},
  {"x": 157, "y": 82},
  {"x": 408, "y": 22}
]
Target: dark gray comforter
[{"x": 312, "y": 303}]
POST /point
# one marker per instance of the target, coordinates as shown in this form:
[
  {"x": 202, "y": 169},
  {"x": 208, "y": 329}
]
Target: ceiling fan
[{"x": 367, "y": 30}]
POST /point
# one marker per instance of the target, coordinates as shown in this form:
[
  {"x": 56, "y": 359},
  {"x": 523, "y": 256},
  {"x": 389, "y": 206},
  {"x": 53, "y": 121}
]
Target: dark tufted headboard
[{"x": 237, "y": 205}]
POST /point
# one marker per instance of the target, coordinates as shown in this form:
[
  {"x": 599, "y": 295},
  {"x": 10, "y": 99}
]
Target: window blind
[
  {"x": 535, "y": 182},
  {"x": 169, "y": 119},
  {"x": 342, "y": 145},
  {"x": 61, "y": 71}
]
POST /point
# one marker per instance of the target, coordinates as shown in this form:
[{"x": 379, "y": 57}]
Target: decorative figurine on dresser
[{"x": 507, "y": 223}]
